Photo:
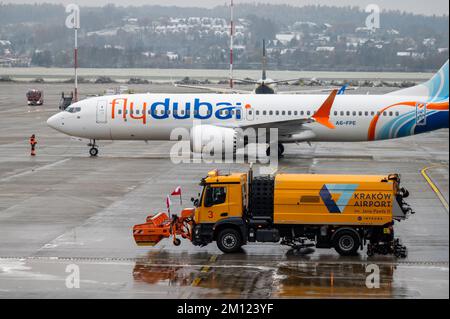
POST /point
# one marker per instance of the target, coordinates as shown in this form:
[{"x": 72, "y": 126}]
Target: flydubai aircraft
[{"x": 298, "y": 118}]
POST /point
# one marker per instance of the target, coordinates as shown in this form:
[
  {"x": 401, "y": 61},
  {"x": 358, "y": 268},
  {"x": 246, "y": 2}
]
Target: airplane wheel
[
  {"x": 93, "y": 152},
  {"x": 280, "y": 149}
]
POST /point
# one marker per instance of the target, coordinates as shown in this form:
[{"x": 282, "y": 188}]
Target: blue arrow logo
[{"x": 345, "y": 191}]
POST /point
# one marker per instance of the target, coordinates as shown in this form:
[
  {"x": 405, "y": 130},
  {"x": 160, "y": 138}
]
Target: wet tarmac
[{"x": 63, "y": 208}]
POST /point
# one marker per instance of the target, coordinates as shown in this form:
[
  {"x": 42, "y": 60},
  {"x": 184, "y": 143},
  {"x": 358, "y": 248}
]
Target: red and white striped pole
[
  {"x": 231, "y": 43},
  {"x": 73, "y": 22}
]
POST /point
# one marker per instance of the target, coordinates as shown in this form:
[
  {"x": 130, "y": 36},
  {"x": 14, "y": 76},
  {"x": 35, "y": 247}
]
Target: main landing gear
[
  {"x": 280, "y": 150},
  {"x": 93, "y": 151}
]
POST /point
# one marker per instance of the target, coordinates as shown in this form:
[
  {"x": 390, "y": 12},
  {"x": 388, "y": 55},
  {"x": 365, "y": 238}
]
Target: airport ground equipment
[
  {"x": 35, "y": 97},
  {"x": 344, "y": 212}
]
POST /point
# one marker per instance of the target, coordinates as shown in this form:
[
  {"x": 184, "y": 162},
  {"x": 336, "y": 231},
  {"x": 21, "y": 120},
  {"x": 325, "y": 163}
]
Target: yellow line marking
[
  {"x": 433, "y": 186},
  {"x": 204, "y": 270},
  {"x": 196, "y": 282}
]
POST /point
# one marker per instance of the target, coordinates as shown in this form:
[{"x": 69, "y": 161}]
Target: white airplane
[{"x": 299, "y": 118}]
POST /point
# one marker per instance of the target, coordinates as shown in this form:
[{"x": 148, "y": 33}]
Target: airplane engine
[{"x": 212, "y": 140}]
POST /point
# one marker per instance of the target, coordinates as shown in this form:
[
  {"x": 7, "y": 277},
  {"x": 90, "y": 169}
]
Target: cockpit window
[{"x": 72, "y": 109}]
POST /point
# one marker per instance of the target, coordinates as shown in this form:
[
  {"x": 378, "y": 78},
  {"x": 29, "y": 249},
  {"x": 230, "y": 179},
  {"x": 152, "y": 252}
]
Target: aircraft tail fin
[
  {"x": 264, "y": 62},
  {"x": 435, "y": 89}
]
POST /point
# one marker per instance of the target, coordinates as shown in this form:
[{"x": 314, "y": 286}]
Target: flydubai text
[{"x": 167, "y": 108}]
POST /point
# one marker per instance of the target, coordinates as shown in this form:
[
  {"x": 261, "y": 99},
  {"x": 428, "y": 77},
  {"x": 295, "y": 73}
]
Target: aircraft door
[
  {"x": 250, "y": 114},
  {"x": 102, "y": 111},
  {"x": 421, "y": 114}
]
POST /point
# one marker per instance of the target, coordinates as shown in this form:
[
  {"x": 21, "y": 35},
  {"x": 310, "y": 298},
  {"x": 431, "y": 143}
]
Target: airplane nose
[{"x": 53, "y": 121}]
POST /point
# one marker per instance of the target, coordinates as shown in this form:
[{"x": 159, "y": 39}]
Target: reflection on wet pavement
[{"x": 258, "y": 277}]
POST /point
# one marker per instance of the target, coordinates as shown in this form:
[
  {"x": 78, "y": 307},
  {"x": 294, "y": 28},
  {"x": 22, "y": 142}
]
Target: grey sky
[{"x": 428, "y": 7}]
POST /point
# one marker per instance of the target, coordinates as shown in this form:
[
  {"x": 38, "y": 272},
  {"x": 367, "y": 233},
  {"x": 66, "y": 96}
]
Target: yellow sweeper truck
[{"x": 344, "y": 212}]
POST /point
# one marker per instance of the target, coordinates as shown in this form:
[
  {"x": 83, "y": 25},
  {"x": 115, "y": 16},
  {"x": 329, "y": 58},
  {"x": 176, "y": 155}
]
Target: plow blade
[{"x": 153, "y": 231}]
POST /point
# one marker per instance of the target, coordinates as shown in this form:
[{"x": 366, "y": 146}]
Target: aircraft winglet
[{"x": 322, "y": 115}]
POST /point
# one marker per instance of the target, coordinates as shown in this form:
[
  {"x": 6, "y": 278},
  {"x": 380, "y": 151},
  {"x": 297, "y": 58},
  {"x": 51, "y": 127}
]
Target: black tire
[
  {"x": 280, "y": 150},
  {"x": 346, "y": 243},
  {"x": 229, "y": 240},
  {"x": 93, "y": 152}
]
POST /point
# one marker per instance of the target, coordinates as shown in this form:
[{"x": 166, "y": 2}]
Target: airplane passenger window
[
  {"x": 120, "y": 112},
  {"x": 295, "y": 112},
  {"x": 366, "y": 113},
  {"x": 302, "y": 113},
  {"x": 342, "y": 113},
  {"x": 270, "y": 112},
  {"x": 289, "y": 112},
  {"x": 397, "y": 113},
  {"x": 264, "y": 112},
  {"x": 360, "y": 113},
  {"x": 391, "y": 114},
  {"x": 348, "y": 113},
  {"x": 283, "y": 113},
  {"x": 249, "y": 112},
  {"x": 335, "y": 113},
  {"x": 384, "y": 113},
  {"x": 137, "y": 112},
  {"x": 308, "y": 113},
  {"x": 354, "y": 113},
  {"x": 277, "y": 113},
  {"x": 372, "y": 113}
]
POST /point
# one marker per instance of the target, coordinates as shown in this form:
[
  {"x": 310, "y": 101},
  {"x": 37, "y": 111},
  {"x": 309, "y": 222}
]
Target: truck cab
[{"x": 221, "y": 206}]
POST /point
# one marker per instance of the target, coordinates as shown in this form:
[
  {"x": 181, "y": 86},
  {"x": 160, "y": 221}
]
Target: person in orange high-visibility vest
[{"x": 33, "y": 143}]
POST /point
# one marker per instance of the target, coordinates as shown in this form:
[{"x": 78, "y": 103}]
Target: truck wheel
[
  {"x": 346, "y": 243},
  {"x": 229, "y": 240}
]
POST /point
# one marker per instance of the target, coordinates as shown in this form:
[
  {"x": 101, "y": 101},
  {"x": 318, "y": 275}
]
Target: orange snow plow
[{"x": 160, "y": 226}]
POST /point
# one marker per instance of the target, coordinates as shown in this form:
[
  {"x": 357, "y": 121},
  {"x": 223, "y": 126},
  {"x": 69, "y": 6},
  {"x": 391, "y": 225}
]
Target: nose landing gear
[{"x": 93, "y": 151}]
